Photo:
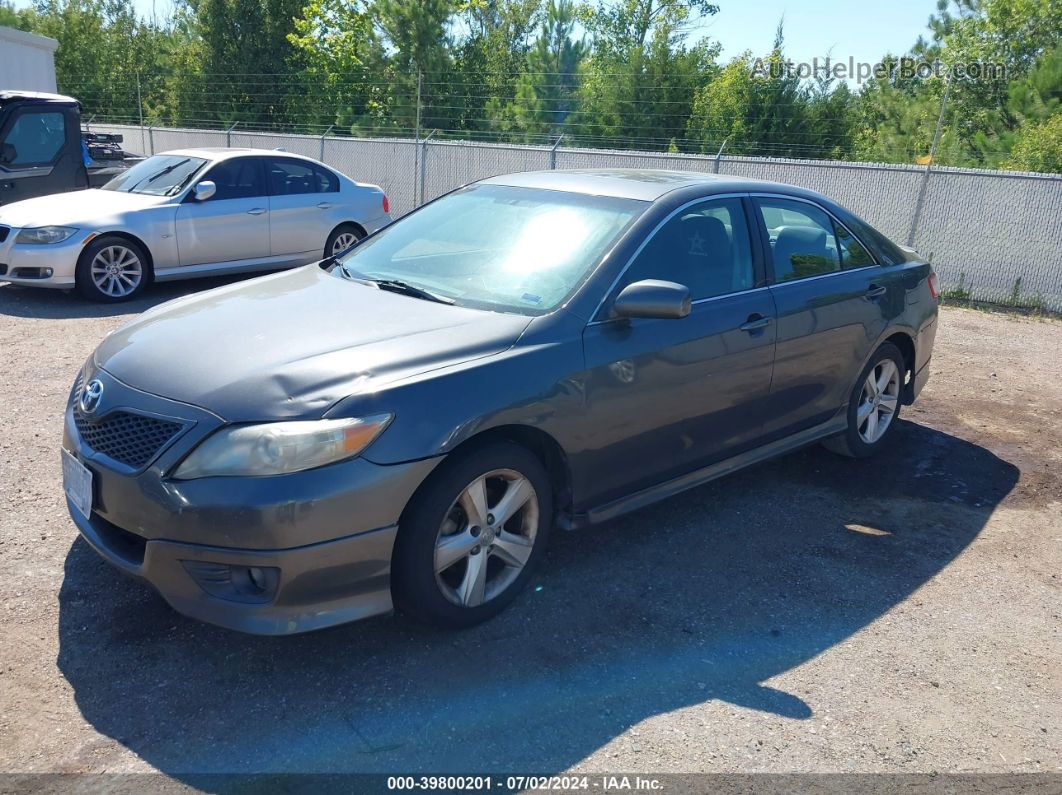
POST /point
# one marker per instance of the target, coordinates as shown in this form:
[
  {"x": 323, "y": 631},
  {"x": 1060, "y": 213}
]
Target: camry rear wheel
[
  {"x": 470, "y": 539},
  {"x": 112, "y": 269},
  {"x": 873, "y": 406}
]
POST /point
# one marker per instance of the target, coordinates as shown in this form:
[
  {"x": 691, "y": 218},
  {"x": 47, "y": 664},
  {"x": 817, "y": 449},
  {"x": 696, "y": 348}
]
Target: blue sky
[{"x": 812, "y": 27}]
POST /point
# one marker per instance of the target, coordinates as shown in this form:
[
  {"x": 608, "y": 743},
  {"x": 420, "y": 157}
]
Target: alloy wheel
[
  {"x": 486, "y": 538},
  {"x": 343, "y": 241},
  {"x": 878, "y": 401},
  {"x": 116, "y": 271}
]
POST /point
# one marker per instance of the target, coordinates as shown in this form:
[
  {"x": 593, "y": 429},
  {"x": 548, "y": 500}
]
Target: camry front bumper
[
  {"x": 303, "y": 589},
  {"x": 266, "y": 555}
]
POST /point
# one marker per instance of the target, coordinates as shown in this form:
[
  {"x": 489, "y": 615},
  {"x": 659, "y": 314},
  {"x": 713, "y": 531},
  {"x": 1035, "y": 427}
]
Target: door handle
[
  {"x": 875, "y": 291},
  {"x": 256, "y": 211},
  {"x": 755, "y": 322},
  {"x": 324, "y": 206}
]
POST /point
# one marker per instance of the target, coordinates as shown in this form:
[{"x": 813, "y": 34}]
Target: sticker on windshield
[{"x": 531, "y": 299}]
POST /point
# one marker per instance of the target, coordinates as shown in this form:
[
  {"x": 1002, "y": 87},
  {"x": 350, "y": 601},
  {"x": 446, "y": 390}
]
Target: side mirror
[
  {"x": 204, "y": 190},
  {"x": 653, "y": 298}
]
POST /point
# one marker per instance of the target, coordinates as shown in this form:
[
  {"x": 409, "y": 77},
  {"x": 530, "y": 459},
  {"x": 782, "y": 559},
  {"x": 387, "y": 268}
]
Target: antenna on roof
[{"x": 280, "y": 149}]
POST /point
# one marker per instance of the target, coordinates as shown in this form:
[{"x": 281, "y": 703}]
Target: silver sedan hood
[
  {"x": 291, "y": 344},
  {"x": 80, "y": 208}
]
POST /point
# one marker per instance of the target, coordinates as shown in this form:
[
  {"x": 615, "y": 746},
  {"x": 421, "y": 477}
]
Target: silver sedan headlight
[
  {"x": 274, "y": 448},
  {"x": 45, "y": 234}
]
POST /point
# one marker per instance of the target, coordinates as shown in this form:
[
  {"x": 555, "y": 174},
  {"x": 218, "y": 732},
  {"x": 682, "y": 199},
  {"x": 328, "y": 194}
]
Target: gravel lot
[{"x": 812, "y": 614}]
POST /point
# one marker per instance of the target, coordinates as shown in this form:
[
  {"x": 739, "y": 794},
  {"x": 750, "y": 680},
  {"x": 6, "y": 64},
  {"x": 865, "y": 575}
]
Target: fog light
[
  {"x": 31, "y": 273},
  {"x": 235, "y": 583}
]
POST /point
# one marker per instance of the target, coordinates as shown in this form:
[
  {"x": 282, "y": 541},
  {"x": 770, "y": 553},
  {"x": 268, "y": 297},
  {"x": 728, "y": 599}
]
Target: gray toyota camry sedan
[{"x": 405, "y": 425}]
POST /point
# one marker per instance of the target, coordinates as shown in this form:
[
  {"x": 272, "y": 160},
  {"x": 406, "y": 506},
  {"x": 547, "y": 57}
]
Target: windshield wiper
[
  {"x": 161, "y": 173},
  {"x": 405, "y": 288},
  {"x": 391, "y": 285}
]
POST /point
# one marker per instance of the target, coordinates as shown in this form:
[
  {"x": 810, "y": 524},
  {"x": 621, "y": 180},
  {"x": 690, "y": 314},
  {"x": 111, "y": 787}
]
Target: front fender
[{"x": 530, "y": 385}]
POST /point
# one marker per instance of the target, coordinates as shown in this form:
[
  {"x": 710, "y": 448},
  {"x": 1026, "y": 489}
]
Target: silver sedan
[{"x": 187, "y": 213}]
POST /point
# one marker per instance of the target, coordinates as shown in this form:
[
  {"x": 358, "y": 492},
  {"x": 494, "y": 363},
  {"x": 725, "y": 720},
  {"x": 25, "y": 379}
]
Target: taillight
[
  {"x": 932, "y": 281},
  {"x": 386, "y": 204}
]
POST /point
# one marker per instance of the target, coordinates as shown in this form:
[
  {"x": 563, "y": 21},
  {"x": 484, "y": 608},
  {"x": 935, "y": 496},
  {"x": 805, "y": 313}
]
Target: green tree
[
  {"x": 18, "y": 18},
  {"x": 1038, "y": 147},
  {"x": 545, "y": 92},
  {"x": 105, "y": 51},
  {"x": 238, "y": 64},
  {"x": 336, "y": 44},
  {"x": 638, "y": 85},
  {"x": 416, "y": 33}
]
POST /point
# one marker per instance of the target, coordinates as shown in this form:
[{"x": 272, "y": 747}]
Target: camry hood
[
  {"x": 74, "y": 208},
  {"x": 291, "y": 344}
]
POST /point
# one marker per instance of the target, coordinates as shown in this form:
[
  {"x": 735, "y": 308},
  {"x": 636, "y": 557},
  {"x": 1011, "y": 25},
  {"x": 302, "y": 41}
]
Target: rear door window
[
  {"x": 294, "y": 177},
  {"x": 803, "y": 240}
]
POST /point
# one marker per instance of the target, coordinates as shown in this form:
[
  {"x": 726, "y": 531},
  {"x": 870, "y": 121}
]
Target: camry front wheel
[{"x": 471, "y": 537}]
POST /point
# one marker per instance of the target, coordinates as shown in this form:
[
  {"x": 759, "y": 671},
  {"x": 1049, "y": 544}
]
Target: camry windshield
[
  {"x": 161, "y": 175},
  {"x": 495, "y": 247}
]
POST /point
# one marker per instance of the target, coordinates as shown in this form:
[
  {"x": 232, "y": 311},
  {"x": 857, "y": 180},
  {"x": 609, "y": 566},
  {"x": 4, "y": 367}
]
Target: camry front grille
[{"x": 130, "y": 439}]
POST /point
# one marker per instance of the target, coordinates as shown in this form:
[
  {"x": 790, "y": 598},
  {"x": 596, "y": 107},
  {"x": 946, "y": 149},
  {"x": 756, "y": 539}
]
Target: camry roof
[{"x": 631, "y": 183}]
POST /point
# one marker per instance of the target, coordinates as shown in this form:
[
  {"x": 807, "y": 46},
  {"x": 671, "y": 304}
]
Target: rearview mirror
[
  {"x": 653, "y": 298},
  {"x": 204, "y": 190}
]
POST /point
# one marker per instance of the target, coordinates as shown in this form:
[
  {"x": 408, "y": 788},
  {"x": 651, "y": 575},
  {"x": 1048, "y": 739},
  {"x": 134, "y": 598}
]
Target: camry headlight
[
  {"x": 274, "y": 448},
  {"x": 45, "y": 234}
]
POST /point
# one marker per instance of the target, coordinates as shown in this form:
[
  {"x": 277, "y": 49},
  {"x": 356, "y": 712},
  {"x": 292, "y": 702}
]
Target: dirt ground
[{"x": 811, "y": 614}]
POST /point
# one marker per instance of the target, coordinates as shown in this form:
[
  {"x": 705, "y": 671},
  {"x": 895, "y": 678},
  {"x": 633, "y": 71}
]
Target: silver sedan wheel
[
  {"x": 486, "y": 538},
  {"x": 878, "y": 401},
  {"x": 344, "y": 240},
  {"x": 116, "y": 271}
]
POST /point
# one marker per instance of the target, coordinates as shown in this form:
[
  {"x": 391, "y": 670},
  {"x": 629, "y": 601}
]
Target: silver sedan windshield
[
  {"x": 496, "y": 247},
  {"x": 161, "y": 175}
]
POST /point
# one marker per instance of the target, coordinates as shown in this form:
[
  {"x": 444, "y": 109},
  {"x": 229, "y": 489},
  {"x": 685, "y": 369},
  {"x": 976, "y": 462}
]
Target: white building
[{"x": 27, "y": 61}]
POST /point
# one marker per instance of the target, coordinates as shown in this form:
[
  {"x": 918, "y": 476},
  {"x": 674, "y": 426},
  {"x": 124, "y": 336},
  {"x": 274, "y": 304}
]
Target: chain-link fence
[{"x": 993, "y": 236}]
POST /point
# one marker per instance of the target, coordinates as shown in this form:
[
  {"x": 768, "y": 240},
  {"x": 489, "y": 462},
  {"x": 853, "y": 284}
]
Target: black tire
[
  {"x": 851, "y": 443},
  {"x": 417, "y": 590},
  {"x": 83, "y": 275},
  {"x": 342, "y": 229}
]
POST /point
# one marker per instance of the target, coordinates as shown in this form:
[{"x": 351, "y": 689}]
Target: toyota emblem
[{"x": 89, "y": 400}]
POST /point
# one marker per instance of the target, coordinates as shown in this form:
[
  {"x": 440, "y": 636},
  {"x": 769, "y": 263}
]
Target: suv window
[
  {"x": 34, "y": 138},
  {"x": 237, "y": 178},
  {"x": 803, "y": 241},
  {"x": 705, "y": 247},
  {"x": 292, "y": 177}
]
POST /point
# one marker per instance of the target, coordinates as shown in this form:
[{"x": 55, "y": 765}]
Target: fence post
[
  {"x": 424, "y": 164},
  {"x": 932, "y": 156},
  {"x": 330, "y": 128},
  {"x": 151, "y": 139},
  {"x": 719, "y": 156},
  {"x": 553, "y": 153},
  {"x": 416, "y": 144},
  {"x": 228, "y": 134},
  {"x": 140, "y": 109}
]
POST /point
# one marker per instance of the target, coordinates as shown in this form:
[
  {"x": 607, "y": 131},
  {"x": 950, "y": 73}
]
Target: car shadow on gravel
[
  {"x": 706, "y": 596},
  {"x": 18, "y": 301}
]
